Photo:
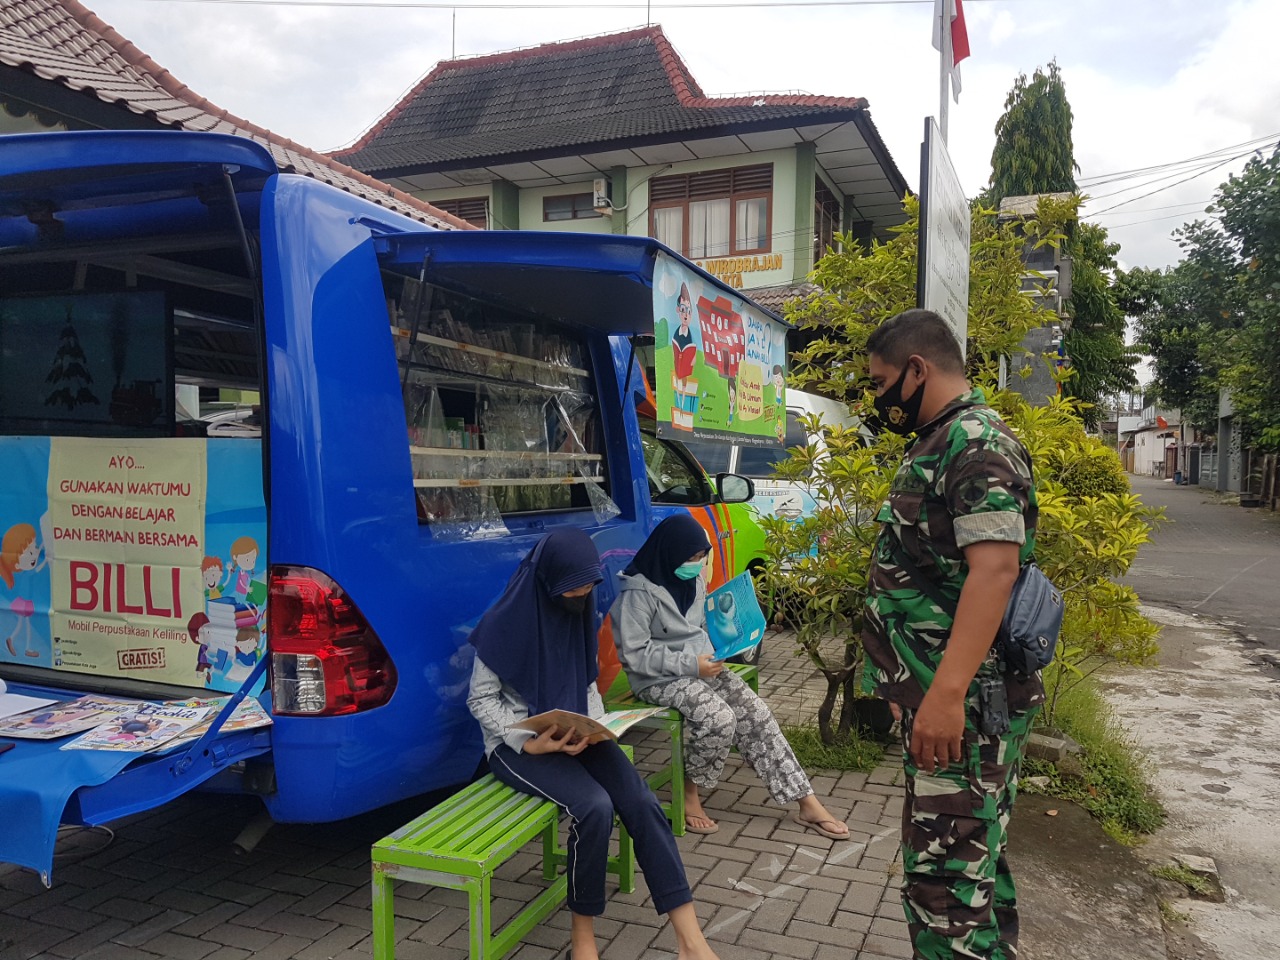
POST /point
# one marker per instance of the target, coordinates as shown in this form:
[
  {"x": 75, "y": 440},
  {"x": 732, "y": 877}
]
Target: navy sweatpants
[{"x": 589, "y": 788}]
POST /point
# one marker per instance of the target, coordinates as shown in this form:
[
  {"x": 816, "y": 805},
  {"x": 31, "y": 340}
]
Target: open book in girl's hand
[
  {"x": 608, "y": 727},
  {"x": 735, "y": 622}
]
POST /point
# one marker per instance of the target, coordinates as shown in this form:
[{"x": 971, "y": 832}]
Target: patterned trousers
[
  {"x": 724, "y": 712},
  {"x": 957, "y": 891}
]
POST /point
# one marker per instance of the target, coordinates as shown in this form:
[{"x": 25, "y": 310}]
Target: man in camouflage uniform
[{"x": 961, "y": 515}]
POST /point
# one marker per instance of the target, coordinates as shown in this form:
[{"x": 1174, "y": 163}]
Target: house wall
[
  {"x": 1149, "y": 451},
  {"x": 790, "y": 256}
]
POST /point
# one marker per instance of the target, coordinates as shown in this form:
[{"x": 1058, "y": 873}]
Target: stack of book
[{"x": 226, "y": 617}]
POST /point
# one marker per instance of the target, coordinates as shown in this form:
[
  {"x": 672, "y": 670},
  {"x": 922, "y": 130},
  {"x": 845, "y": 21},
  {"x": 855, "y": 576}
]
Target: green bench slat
[{"x": 472, "y": 823}]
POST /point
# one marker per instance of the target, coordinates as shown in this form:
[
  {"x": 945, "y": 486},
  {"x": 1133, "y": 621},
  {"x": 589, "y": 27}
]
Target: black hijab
[
  {"x": 546, "y": 652},
  {"x": 672, "y": 543}
]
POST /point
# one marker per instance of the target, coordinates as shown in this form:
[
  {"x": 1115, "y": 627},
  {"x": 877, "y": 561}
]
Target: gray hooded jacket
[{"x": 655, "y": 640}]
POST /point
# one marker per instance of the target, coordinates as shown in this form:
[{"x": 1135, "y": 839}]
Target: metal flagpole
[{"x": 946, "y": 59}]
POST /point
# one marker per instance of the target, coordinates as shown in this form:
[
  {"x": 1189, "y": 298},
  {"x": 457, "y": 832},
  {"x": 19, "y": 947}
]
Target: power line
[
  {"x": 1169, "y": 186},
  {"x": 697, "y": 4},
  {"x": 1171, "y": 206},
  {"x": 1200, "y": 169},
  {"x": 1101, "y": 179},
  {"x": 1168, "y": 216}
]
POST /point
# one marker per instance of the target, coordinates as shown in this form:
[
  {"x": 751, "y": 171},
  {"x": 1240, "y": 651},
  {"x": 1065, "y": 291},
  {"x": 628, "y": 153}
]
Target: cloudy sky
[{"x": 1151, "y": 83}]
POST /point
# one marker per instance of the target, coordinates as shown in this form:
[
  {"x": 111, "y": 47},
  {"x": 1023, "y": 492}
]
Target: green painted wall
[{"x": 802, "y": 239}]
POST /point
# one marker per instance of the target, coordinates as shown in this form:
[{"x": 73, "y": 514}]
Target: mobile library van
[{"x": 427, "y": 405}]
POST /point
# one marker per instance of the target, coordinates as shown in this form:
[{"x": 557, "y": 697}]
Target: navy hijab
[
  {"x": 672, "y": 543},
  {"x": 546, "y": 652}
]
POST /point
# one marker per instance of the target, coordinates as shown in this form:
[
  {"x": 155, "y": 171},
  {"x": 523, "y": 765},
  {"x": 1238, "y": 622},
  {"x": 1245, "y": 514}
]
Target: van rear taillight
[{"x": 325, "y": 658}]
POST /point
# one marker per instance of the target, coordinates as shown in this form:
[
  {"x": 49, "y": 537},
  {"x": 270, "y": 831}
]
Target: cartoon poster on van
[
  {"x": 720, "y": 364},
  {"x": 134, "y": 558}
]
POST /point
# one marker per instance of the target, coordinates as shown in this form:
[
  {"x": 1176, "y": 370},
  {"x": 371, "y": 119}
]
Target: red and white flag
[{"x": 959, "y": 38}]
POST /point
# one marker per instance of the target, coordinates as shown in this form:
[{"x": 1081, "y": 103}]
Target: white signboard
[{"x": 942, "y": 283}]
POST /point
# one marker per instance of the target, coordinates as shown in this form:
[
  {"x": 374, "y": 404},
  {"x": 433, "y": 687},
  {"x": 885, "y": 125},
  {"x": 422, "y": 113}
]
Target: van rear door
[{"x": 121, "y": 261}]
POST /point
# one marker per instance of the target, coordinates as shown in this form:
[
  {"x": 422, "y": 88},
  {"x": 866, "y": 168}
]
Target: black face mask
[
  {"x": 899, "y": 415},
  {"x": 573, "y": 604}
]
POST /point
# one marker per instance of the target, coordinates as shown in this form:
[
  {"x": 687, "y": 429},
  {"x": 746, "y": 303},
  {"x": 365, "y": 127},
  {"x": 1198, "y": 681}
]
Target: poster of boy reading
[{"x": 720, "y": 362}]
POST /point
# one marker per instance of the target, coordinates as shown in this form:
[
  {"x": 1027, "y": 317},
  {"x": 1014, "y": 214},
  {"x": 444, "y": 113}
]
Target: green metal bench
[
  {"x": 461, "y": 842},
  {"x": 620, "y": 697}
]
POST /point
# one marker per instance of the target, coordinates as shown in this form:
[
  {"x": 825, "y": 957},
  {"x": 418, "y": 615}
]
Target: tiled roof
[
  {"x": 600, "y": 90},
  {"x": 64, "y": 42},
  {"x": 774, "y": 298}
]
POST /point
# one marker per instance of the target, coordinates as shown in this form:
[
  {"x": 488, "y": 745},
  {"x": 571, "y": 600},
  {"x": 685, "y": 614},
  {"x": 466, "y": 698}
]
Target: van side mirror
[{"x": 732, "y": 488}]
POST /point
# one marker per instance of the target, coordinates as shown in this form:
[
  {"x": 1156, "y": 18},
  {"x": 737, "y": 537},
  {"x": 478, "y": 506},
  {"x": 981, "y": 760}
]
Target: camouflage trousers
[{"x": 957, "y": 890}]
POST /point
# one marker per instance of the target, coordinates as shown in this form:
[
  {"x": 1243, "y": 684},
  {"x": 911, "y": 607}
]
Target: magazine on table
[
  {"x": 248, "y": 715},
  {"x": 149, "y": 726},
  {"x": 14, "y": 703},
  {"x": 65, "y": 717},
  {"x": 735, "y": 622},
  {"x": 609, "y": 727}
]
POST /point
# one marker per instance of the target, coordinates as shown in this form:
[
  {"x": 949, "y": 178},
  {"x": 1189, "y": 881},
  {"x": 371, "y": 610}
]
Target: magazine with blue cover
[{"x": 735, "y": 622}]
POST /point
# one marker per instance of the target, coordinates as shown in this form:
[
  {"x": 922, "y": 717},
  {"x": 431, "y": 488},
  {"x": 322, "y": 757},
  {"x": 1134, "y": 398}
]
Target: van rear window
[
  {"x": 500, "y": 411},
  {"x": 95, "y": 364}
]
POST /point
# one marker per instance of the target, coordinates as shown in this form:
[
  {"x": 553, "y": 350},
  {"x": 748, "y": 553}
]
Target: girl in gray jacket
[{"x": 658, "y": 628}]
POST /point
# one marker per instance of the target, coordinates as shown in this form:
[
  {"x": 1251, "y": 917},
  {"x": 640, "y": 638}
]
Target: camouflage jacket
[{"x": 965, "y": 479}]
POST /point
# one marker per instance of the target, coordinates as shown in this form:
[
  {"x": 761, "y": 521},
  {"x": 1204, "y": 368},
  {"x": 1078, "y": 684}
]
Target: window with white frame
[{"x": 718, "y": 213}]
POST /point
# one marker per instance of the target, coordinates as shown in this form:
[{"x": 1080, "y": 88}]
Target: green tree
[
  {"x": 1034, "y": 152},
  {"x": 1102, "y": 366},
  {"x": 1249, "y": 207},
  {"x": 1186, "y": 319},
  {"x": 1212, "y": 322},
  {"x": 1033, "y": 155}
]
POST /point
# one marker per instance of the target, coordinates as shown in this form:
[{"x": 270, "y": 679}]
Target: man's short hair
[{"x": 919, "y": 332}]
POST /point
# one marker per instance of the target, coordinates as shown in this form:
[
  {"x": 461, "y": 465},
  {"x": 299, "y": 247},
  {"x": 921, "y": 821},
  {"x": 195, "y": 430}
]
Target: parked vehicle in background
[{"x": 788, "y": 499}]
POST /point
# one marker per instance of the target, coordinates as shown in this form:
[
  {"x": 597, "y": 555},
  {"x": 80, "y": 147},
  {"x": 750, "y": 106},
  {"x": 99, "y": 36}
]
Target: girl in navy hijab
[
  {"x": 659, "y": 628},
  {"x": 535, "y": 652}
]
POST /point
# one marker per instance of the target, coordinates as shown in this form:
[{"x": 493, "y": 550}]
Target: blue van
[{"x": 429, "y": 404}]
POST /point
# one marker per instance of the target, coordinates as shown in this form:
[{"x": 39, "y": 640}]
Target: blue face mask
[{"x": 687, "y": 571}]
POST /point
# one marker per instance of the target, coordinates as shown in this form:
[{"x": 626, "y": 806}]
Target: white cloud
[{"x": 1001, "y": 29}]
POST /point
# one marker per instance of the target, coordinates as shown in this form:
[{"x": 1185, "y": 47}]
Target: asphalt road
[{"x": 1215, "y": 558}]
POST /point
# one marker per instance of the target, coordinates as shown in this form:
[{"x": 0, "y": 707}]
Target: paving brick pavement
[{"x": 168, "y": 884}]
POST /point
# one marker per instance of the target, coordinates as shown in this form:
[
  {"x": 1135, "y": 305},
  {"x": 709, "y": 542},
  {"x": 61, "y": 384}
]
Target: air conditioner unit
[{"x": 600, "y": 194}]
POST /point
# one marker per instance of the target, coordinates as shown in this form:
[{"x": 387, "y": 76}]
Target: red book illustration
[{"x": 683, "y": 358}]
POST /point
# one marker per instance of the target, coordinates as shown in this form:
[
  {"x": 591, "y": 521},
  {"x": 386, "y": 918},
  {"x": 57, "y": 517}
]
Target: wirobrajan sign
[{"x": 942, "y": 280}]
